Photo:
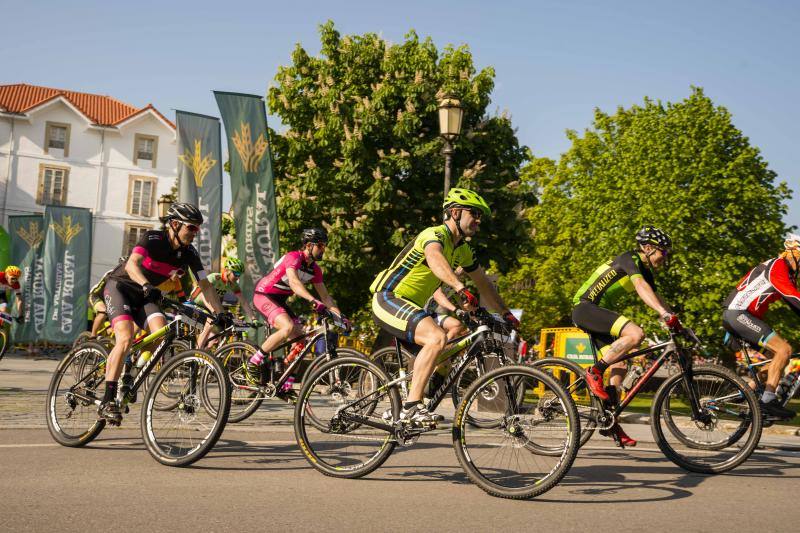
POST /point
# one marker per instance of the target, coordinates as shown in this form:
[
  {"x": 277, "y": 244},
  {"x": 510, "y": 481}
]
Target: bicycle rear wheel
[
  {"x": 727, "y": 432},
  {"x": 74, "y": 394},
  {"x": 570, "y": 375},
  {"x": 504, "y": 461},
  {"x": 343, "y": 447},
  {"x": 187, "y": 432}
]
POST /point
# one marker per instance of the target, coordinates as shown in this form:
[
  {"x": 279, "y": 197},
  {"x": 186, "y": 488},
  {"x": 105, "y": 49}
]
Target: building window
[
  {"x": 145, "y": 148},
  {"x": 56, "y": 136},
  {"x": 141, "y": 196},
  {"x": 133, "y": 233},
  {"x": 52, "y": 189}
]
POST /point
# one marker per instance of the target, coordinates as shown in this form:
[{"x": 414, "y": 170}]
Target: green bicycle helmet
[
  {"x": 234, "y": 265},
  {"x": 458, "y": 197}
]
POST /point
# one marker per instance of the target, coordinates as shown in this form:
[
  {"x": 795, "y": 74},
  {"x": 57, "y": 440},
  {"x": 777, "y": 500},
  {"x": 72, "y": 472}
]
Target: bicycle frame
[{"x": 751, "y": 368}]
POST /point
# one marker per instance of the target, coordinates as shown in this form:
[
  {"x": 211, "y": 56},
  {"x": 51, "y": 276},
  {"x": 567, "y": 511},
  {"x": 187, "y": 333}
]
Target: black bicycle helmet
[
  {"x": 655, "y": 236},
  {"x": 314, "y": 235},
  {"x": 185, "y": 213}
]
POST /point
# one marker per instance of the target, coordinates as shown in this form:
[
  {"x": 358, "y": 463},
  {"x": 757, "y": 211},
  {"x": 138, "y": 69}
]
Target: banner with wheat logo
[
  {"x": 252, "y": 187},
  {"x": 67, "y": 258},
  {"x": 27, "y": 236},
  {"x": 200, "y": 179}
]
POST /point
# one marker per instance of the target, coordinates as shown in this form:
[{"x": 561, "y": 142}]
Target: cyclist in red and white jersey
[
  {"x": 770, "y": 281},
  {"x": 9, "y": 280},
  {"x": 291, "y": 274}
]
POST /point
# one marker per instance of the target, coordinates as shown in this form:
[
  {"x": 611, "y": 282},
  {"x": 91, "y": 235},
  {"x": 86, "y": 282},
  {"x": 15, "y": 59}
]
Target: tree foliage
[
  {"x": 681, "y": 166},
  {"x": 361, "y": 154}
]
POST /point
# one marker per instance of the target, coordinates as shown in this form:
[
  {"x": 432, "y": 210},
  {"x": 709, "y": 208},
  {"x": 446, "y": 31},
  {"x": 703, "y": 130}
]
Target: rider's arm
[
  {"x": 245, "y": 305},
  {"x": 648, "y": 295},
  {"x": 210, "y": 295},
  {"x": 297, "y": 286},
  {"x": 440, "y": 267},
  {"x": 134, "y": 268},
  {"x": 780, "y": 278},
  {"x": 325, "y": 298},
  {"x": 487, "y": 290},
  {"x": 441, "y": 298}
]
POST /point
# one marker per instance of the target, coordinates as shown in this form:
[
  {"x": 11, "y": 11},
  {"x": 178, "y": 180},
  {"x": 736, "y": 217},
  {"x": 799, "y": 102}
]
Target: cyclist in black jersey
[
  {"x": 614, "y": 334},
  {"x": 131, "y": 293}
]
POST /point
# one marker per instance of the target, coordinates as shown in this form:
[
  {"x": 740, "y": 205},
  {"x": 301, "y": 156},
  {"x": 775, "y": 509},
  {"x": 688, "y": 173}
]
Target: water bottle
[
  {"x": 630, "y": 378},
  {"x": 785, "y": 385},
  {"x": 144, "y": 357}
]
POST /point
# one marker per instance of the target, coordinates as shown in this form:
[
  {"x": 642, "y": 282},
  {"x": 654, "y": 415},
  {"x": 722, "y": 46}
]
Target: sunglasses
[
  {"x": 476, "y": 213},
  {"x": 191, "y": 227}
]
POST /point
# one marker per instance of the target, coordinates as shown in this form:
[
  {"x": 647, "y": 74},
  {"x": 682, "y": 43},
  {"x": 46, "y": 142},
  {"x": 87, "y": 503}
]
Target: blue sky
[{"x": 555, "y": 61}]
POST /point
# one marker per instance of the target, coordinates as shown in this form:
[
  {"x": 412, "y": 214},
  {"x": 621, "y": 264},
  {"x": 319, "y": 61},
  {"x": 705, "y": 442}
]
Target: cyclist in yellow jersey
[{"x": 400, "y": 291}]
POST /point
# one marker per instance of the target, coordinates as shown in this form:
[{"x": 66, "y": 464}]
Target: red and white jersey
[
  {"x": 766, "y": 283},
  {"x": 5, "y": 285}
]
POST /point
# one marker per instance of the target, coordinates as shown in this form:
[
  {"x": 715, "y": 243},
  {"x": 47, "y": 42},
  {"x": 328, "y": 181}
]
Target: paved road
[{"x": 257, "y": 479}]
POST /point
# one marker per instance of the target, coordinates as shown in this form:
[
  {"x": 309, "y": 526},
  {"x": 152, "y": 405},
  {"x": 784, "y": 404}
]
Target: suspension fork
[{"x": 687, "y": 371}]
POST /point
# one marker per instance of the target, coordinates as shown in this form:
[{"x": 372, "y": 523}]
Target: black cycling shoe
[
  {"x": 109, "y": 411},
  {"x": 774, "y": 409}
]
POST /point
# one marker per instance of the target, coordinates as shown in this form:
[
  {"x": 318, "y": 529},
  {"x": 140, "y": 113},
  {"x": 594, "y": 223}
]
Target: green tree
[
  {"x": 681, "y": 166},
  {"x": 361, "y": 154}
]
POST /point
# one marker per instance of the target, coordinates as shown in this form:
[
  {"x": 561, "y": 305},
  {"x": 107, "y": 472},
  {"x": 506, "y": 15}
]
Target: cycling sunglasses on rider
[
  {"x": 476, "y": 213},
  {"x": 191, "y": 227}
]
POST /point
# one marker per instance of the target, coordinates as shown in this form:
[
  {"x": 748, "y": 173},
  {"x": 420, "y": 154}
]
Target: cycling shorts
[
  {"x": 603, "y": 325},
  {"x": 397, "y": 315},
  {"x": 124, "y": 303},
  {"x": 744, "y": 325},
  {"x": 272, "y": 306}
]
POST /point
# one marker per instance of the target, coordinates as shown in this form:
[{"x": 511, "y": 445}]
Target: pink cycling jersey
[{"x": 277, "y": 282}]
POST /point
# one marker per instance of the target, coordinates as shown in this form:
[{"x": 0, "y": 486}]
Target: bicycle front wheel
[
  {"x": 245, "y": 395},
  {"x": 504, "y": 461},
  {"x": 186, "y": 432},
  {"x": 329, "y": 424},
  {"x": 718, "y": 438},
  {"x": 74, "y": 394}
]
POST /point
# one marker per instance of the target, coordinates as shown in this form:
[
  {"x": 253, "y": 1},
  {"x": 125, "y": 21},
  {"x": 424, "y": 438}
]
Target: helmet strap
[{"x": 457, "y": 220}]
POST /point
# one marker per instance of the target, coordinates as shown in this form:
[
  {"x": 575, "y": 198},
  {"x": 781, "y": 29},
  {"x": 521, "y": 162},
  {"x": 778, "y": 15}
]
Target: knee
[
  {"x": 635, "y": 334},
  {"x": 438, "y": 340},
  {"x": 124, "y": 340}
]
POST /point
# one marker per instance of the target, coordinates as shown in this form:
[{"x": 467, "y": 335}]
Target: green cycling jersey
[{"x": 612, "y": 279}]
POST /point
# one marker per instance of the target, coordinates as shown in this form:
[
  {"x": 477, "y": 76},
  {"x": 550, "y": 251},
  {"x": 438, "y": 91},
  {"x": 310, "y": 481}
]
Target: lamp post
[
  {"x": 163, "y": 206},
  {"x": 450, "y": 114}
]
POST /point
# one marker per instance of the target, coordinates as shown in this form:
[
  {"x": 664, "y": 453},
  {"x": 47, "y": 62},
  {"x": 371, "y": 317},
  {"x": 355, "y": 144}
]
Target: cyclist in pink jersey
[{"x": 290, "y": 276}]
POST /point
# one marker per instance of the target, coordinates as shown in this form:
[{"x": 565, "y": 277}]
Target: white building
[{"x": 85, "y": 150}]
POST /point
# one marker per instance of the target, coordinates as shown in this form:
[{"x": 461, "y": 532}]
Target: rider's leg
[
  {"x": 433, "y": 339},
  {"x": 285, "y": 328},
  {"x": 204, "y": 335},
  {"x": 99, "y": 318},
  {"x": 782, "y": 351},
  {"x": 630, "y": 337}
]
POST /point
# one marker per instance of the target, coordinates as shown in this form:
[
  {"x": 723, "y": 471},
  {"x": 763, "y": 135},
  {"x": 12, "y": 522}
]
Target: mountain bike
[
  {"x": 361, "y": 426},
  {"x": 500, "y": 348},
  {"x": 698, "y": 415},
  {"x": 252, "y": 384},
  {"x": 788, "y": 386},
  {"x": 176, "y": 428},
  {"x": 4, "y": 319}
]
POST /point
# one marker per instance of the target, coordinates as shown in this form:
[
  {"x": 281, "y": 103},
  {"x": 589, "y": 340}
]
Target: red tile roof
[{"x": 103, "y": 110}]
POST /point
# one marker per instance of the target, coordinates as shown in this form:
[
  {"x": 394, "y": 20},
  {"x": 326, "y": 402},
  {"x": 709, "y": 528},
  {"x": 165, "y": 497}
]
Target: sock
[
  {"x": 288, "y": 385},
  {"x": 768, "y": 396},
  {"x": 257, "y": 357},
  {"x": 601, "y": 366},
  {"x": 111, "y": 391},
  {"x": 409, "y": 405}
]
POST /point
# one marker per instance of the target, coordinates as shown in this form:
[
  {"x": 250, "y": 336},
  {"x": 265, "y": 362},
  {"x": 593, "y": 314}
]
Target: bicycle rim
[
  {"x": 330, "y": 442},
  {"x": 75, "y": 386},
  {"x": 185, "y": 433},
  {"x": 503, "y": 461},
  {"x": 724, "y": 436}
]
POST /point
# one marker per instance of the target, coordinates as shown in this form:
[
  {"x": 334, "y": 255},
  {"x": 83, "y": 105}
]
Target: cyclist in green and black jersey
[{"x": 613, "y": 333}]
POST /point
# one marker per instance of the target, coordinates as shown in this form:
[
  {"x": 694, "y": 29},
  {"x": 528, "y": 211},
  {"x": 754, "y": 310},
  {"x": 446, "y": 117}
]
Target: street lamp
[
  {"x": 450, "y": 114},
  {"x": 163, "y": 206}
]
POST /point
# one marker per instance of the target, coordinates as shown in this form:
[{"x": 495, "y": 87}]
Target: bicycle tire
[
  {"x": 325, "y": 459},
  {"x": 588, "y": 405},
  {"x": 163, "y": 449},
  {"x": 3, "y": 343},
  {"x": 241, "y": 407},
  {"x": 744, "y": 411},
  {"x": 90, "y": 427},
  {"x": 517, "y": 429},
  {"x": 175, "y": 347}
]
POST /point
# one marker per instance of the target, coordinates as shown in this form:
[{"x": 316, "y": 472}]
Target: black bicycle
[
  {"x": 251, "y": 384},
  {"x": 176, "y": 427},
  {"x": 698, "y": 415},
  {"x": 361, "y": 427}
]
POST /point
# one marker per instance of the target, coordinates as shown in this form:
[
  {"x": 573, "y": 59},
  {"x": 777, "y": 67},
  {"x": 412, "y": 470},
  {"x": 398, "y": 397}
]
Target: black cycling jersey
[
  {"x": 612, "y": 279},
  {"x": 161, "y": 261}
]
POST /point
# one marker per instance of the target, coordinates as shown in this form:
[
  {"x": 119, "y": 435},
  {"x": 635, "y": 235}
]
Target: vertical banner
[
  {"x": 67, "y": 253},
  {"x": 27, "y": 236},
  {"x": 252, "y": 187},
  {"x": 200, "y": 179}
]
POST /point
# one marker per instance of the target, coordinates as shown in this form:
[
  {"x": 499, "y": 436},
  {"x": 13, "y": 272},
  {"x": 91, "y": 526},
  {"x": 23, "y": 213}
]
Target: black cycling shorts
[
  {"x": 397, "y": 315},
  {"x": 744, "y": 325},
  {"x": 603, "y": 325},
  {"x": 126, "y": 303}
]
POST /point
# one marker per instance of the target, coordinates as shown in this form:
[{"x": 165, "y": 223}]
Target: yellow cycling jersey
[{"x": 409, "y": 275}]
